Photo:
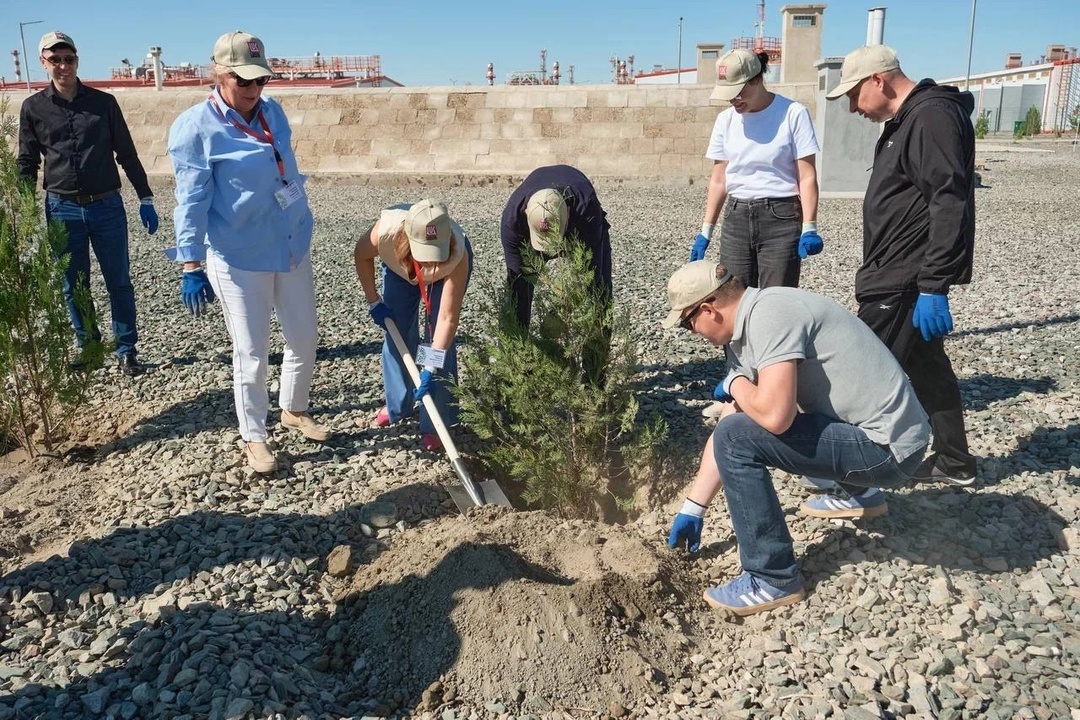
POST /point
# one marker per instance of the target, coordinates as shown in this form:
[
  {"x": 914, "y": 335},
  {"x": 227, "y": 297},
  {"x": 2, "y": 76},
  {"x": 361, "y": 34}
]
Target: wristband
[
  {"x": 706, "y": 229},
  {"x": 692, "y": 508},
  {"x": 810, "y": 226},
  {"x": 147, "y": 200},
  {"x": 431, "y": 369},
  {"x": 371, "y": 305}
]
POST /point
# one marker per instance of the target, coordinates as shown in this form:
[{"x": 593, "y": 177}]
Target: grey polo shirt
[{"x": 844, "y": 370}]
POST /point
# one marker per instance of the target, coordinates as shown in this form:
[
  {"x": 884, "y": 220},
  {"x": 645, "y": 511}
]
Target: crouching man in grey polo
[{"x": 809, "y": 390}]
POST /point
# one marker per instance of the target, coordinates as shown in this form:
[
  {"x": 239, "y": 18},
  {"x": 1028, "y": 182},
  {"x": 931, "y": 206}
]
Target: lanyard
[
  {"x": 265, "y": 136},
  {"x": 427, "y": 300}
]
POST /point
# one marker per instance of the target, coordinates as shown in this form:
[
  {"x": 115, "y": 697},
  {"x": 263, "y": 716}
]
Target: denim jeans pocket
[
  {"x": 729, "y": 207},
  {"x": 883, "y": 473},
  {"x": 787, "y": 210}
]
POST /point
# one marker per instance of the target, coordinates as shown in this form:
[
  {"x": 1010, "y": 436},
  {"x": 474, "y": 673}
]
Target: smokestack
[{"x": 875, "y": 26}]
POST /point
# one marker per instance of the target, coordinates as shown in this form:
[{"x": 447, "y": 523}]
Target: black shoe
[
  {"x": 87, "y": 363},
  {"x": 929, "y": 471},
  {"x": 129, "y": 365}
]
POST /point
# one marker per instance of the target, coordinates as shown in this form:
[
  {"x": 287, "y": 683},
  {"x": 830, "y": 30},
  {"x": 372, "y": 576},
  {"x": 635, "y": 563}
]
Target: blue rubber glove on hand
[
  {"x": 810, "y": 243},
  {"x": 196, "y": 292},
  {"x": 148, "y": 215},
  {"x": 701, "y": 244},
  {"x": 425, "y": 384},
  {"x": 722, "y": 393},
  {"x": 379, "y": 313},
  {"x": 932, "y": 316},
  {"x": 686, "y": 528}
]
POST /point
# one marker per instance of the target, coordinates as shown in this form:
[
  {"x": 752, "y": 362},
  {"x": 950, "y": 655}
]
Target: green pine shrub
[
  {"x": 554, "y": 403},
  {"x": 44, "y": 386}
]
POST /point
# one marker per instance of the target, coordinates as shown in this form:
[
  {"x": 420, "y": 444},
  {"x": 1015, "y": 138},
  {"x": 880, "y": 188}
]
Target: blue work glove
[
  {"x": 686, "y": 528},
  {"x": 379, "y": 313},
  {"x": 425, "y": 384},
  {"x": 196, "y": 292},
  {"x": 932, "y": 316},
  {"x": 148, "y": 215},
  {"x": 701, "y": 244},
  {"x": 810, "y": 243},
  {"x": 722, "y": 393}
]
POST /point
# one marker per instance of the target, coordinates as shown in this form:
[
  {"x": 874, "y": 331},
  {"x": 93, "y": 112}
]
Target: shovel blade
[{"x": 489, "y": 491}]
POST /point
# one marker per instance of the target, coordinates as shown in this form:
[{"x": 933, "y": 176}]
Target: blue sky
[{"x": 446, "y": 42}]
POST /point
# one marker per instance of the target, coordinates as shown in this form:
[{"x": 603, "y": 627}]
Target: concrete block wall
[{"x": 646, "y": 133}]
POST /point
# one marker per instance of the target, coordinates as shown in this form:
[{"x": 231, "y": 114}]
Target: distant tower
[{"x": 491, "y": 74}]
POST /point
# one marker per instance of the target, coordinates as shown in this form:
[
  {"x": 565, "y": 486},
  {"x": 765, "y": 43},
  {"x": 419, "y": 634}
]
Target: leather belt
[
  {"x": 87, "y": 199},
  {"x": 765, "y": 201}
]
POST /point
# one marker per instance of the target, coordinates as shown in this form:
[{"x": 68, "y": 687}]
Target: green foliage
[
  {"x": 1074, "y": 118},
  {"x": 982, "y": 125},
  {"x": 554, "y": 402},
  {"x": 42, "y": 391},
  {"x": 1033, "y": 121}
]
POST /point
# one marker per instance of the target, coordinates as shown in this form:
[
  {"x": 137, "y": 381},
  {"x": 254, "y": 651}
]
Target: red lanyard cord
[
  {"x": 426, "y": 298},
  {"x": 266, "y": 136}
]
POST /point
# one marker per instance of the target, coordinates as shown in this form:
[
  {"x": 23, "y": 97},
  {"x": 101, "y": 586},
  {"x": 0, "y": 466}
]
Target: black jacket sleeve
[{"x": 940, "y": 159}]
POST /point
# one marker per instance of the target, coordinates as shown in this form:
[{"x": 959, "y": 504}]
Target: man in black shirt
[
  {"x": 918, "y": 235},
  {"x": 556, "y": 196},
  {"x": 78, "y": 130}
]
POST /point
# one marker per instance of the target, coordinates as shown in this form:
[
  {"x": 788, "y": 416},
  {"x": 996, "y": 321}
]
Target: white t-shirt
[{"x": 761, "y": 148}]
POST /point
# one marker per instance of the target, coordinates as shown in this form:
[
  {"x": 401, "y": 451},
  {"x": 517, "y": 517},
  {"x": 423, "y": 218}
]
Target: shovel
[{"x": 470, "y": 494}]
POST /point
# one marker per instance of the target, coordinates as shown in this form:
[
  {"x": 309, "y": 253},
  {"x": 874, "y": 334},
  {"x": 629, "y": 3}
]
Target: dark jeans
[
  {"x": 759, "y": 241},
  {"x": 103, "y": 226},
  {"x": 814, "y": 446},
  {"x": 930, "y": 372},
  {"x": 404, "y": 300}
]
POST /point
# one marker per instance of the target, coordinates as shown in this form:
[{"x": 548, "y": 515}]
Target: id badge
[
  {"x": 427, "y": 355},
  {"x": 289, "y": 194}
]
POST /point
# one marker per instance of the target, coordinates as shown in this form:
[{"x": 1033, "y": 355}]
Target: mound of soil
[{"x": 517, "y": 608}]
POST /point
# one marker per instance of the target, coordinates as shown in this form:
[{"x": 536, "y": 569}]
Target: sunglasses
[
  {"x": 687, "y": 323},
  {"x": 55, "y": 60},
  {"x": 241, "y": 82}
]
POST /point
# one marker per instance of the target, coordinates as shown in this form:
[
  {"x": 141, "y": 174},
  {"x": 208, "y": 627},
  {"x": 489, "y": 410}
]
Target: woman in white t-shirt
[{"x": 763, "y": 177}]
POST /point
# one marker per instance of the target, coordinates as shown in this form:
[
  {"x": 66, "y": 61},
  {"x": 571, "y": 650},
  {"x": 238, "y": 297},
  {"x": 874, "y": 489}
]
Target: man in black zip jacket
[{"x": 918, "y": 235}]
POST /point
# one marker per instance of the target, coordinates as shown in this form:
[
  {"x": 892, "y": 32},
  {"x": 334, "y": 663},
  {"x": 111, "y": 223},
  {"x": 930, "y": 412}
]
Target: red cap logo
[
  {"x": 431, "y": 232},
  {"x": 543, "y": 226},
  {"x": 253, "y": 48},
  {"x": 721, "y": 72}
]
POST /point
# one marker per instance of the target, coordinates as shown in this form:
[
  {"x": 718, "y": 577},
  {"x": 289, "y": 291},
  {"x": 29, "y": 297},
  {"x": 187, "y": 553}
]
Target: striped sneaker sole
[
  {"x": 841, "y": 511},
  {"x": 761, "y": 602}
]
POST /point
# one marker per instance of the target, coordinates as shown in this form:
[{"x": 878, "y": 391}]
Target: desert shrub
[
  {"x": 554, "y": 403},
  {"x": 44, "y": 386}
]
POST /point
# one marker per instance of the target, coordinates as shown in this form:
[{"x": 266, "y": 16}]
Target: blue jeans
[
  {"x": 815, "y": 446},
  {"x": 103, "y": 226},
  {"x": 759, "y": 241},
  {"x": 403, "y": 299}
]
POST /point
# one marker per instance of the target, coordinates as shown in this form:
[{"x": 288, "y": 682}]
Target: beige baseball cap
[
  {"x": 242, "y": 53},
  {"x": 427, "y": 226},
  {"x": 51, "y": 39},
  {"x": 546, "y": 215},
  {"x": 733, "y": 71},
  {"x": 860, "y": 64},
  {"x": 688, "y": 286}
]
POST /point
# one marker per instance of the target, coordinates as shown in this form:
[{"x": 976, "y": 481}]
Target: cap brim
[
  {"x": 423, "y": 252},
  {"x": 672, "y": 318},
  {"x": 58, "y": 43},
  {"x": 726, "y": 93},
  {"x": 842, "y": 89},
  {"x": 251, "y": 72},
  {"x": 540, "y": 243}
]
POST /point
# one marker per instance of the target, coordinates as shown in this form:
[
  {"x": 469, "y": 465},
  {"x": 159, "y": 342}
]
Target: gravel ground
[{"x": 196, "y": 589}]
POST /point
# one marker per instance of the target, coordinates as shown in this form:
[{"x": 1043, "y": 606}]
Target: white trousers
[{"x": 247, "y": 300}]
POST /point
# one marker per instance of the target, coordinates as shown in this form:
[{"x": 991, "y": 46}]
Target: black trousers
[{"x": 930, "y": 372}]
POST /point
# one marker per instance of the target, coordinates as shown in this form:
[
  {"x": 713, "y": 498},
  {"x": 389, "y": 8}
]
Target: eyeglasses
[
  {"x": 55, "y": 60},
  {"x": 241, "y": 82}
]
